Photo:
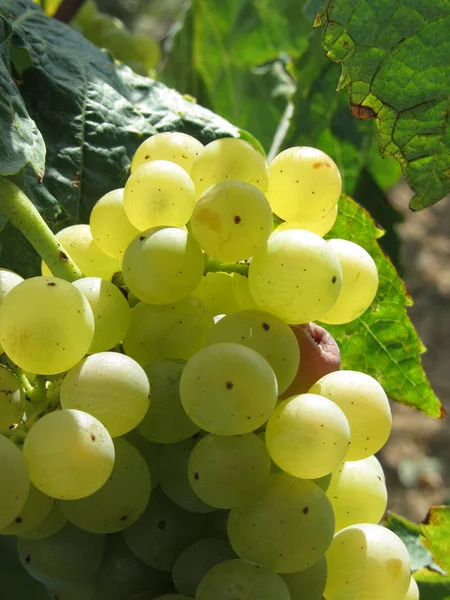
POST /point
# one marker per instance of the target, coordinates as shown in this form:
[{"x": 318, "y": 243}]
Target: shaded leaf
[
  {"x": 394, "y": 59},
  {"x": 383, "y": 341}
]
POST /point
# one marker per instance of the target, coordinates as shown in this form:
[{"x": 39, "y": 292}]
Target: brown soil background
[{"x": 417, "y": 456}]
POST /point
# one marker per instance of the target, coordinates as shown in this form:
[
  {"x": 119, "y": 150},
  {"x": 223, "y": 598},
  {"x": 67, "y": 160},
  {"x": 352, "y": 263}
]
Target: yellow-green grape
[
  {"x": 177, "y": 147},
  {"x": 163, "y": 532},
  {"x": 149, "y": 451},
  {"x": 265, "y": 333},
  {"x": 308, "y": 436},
  {"x": 229, "y": 471},
  {"x": 359, "y": 283},
  {"x": 15, "y": 482},
  {"x": 296, "y": 276},
  {"x": 35, "y": 510},
  {"x": 229, "y": 159},
  {"x": 118, "y": 503},
  {"x": 368, "y": 562},
  {"x": 237, "y": 579},
  {"x": 413, "y": 590},
  {"x": 242, "y": 293},
  {"x": 8, "y": 281},
  {"x": 318, "y": 226},
  {"x": 53, "y": 523},
  {"x": 231, "y": 220},
  {"x": 124, "y": 574},
  {"x": 373, "y": 460},
  {"x": 357, "y": 493},
  {"x": 287, "y": 529},
  {"x": 365, "y": 404},
  {"x": 168, "y": 331},
  {"x": 11, "y": 399},
  {"x": 110, "y": 309},
  {"x": 323, "y": 482},
  {"x": 163, "y": 265},
  {"x": 69, "y": 554},
  {"x": 110, "y": 386},
  {"x": 215, "y": 290},
  {"x": 173, "y": 462},
  {"x": 91, "y": 260},
  {"x": 304, "y": 183},
  {"x": 166, "y": 421},
  {"x": 308, "y": 584},
  {"x": 110, "y": 227},
  {"x": 86, "y": 589},
  {"x": 228, "y": 389},
  {"x": 159, "y": 193},
  {"x": 50, "y": 334},
  {"x": 196, "y": 560},
  {"x": 69, "y": 454}
]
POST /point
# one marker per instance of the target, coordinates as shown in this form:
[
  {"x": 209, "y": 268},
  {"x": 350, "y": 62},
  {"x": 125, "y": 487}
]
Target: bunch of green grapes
[{"x": 173, "y": 424}]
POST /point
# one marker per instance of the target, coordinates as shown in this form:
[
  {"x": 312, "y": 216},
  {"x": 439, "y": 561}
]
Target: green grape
[
  {"x": 170, "y": 331},
  {"x": 166, "y": 421},
  {"x": 228, "y": 389},
  {"x": 35, "y": 510},
  {"x": 229, "y": 471},
  {"x": 149, "y": 452},
  {"x": 368, "y": 562},
  {"x": 365, "y": 404},
  {"x": 11, "y": 399},
  {"x": 308, "y": 584},
  {"x": 50, "y": 334},
  {"x": 215, "y": 290},
  {"x": 413, "y": 590},
  {"x": 296, "y": 276},
  {"x": 159, "y": 193},
  {"x": 66, "y": 555},
  {"x": 229, "y": 159},
  {"x": 53, "y": 523},
  {"x": 237, "y": 579},
  {"x": 86, "y": 589},
  {"x": 287, "y": 529},
  {"x": 110, "y": 386},
  {"x": 242, "y": 293},
  {"x": 138, "y": 67},
  {"x": 163, "y": 265},
  {"x": 163, "y": 532},
  {"x": 110, "y": 227},
  {"x": 323, "y": 482},
  {"x": 196, "y": 560},
  {"x": 69, "y": 454},
  {"x": 173, "y": 462},
  {"x": 123, "y": 573},
  {"x": 373, "y": 460},
  {"x": 265, "y": 333},
  {"x": 110, "y": 309},
  {"x": 357, "y": 494},
  {"x": 146, "y": 50},
  {"x": 304, "y": 183},
  {"x": 8, "y": 281},
  {"x": 86, "y": 14},
  {"x": 173, "y": 597},
  {"x": 15, "y": 482},
  {"x": 177, "y": 147},
  {"x": 359, "y": 283},
  {"x": 119, "y": 42},
  {"x": 308, "y": 436},
  {"x": 96, "y": 25},
  {"x": 318, "y": 226},
  {"x": 231, "y": 220},
  {"x": 92, "y": 261},
  {"x": 118, "y": 503}
]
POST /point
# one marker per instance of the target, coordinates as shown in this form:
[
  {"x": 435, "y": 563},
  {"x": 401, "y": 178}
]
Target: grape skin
[
  {"x": 15, "y": 482},
  {"x": 179, "y": 148}
]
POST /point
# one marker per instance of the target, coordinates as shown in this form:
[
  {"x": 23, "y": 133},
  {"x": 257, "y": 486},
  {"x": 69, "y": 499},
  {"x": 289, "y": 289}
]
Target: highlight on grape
[{"x": 157, "y": 439}]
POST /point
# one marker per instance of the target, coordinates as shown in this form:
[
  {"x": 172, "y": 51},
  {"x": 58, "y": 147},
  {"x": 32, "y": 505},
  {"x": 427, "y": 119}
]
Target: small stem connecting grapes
[
  {"x": 212, "y": 265},
  {"x": 22, "y": 213}
]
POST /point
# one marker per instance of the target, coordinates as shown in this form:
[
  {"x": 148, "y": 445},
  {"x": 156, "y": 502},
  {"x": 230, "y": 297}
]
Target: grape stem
[
  {"x": 22, "y": 213},
  {"x": 32, "y": 394},
  {"x": 212, "y": 265}
]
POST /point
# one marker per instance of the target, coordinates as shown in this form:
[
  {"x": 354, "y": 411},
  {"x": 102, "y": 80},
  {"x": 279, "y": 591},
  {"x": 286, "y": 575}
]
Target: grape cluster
[{"x": 169, "y": 434}]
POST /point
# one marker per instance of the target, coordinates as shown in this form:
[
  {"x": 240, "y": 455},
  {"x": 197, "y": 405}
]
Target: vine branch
[
  {"x": 214, "y": 266},
  {"x": 67, "y": 10}
]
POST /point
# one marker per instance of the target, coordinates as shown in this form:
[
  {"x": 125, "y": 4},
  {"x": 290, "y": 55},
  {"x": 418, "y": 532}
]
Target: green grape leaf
[
  {"x": 394, "y": 58},
  {"x": 432, "y": 585},
  {"x": 21, "y": 142},
  {"x": 436, "y": 530},
  {"x": 92, "y": 115},
  {"x": 383, "y": 341}
]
